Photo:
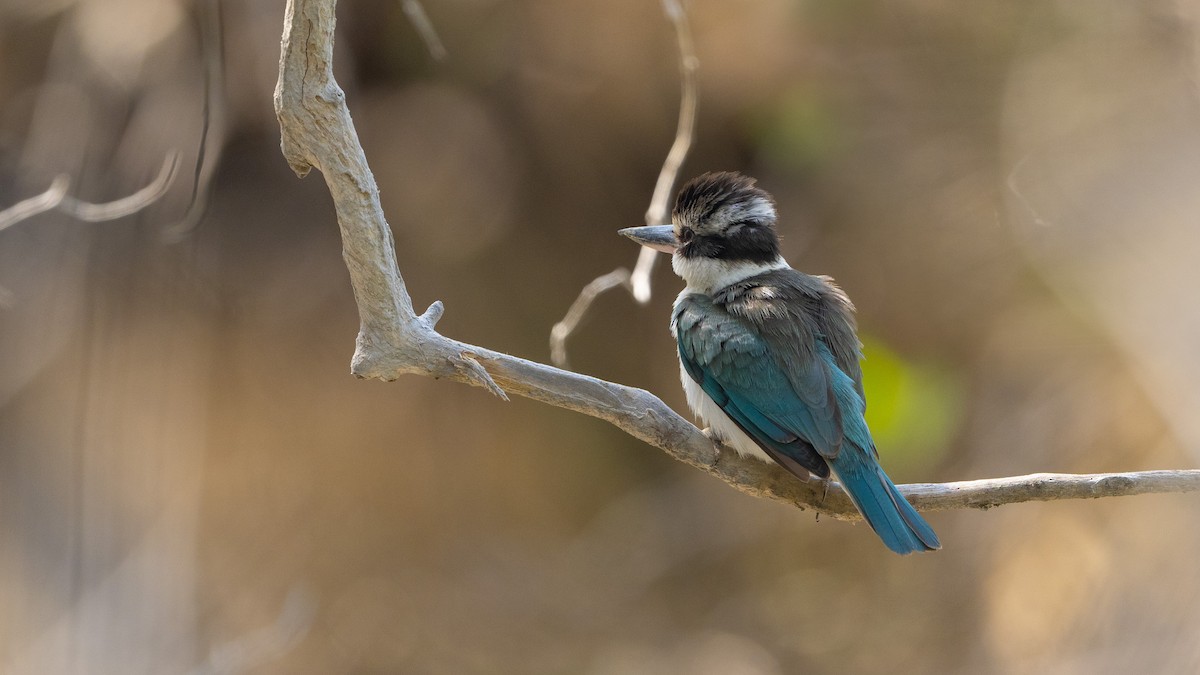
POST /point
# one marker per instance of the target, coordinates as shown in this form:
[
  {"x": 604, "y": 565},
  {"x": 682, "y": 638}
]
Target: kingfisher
[{"x": 769, "y": 356}]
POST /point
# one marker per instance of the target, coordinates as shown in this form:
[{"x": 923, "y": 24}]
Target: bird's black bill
[{"x": 658, "y": 237}]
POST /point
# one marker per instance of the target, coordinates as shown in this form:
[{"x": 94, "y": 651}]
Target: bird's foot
[
  {"x": 824, "y": 493},
  {"x": 717, "y": 441}
]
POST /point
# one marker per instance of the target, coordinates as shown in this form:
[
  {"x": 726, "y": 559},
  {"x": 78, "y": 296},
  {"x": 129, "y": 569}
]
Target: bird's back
[{"x": 794, "y": 311}]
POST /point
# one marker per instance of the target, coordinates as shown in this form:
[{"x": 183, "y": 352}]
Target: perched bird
[{"x": 769, "y": 356}]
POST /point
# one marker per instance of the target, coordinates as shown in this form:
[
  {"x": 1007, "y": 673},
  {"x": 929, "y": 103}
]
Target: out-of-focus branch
[
  {"x": 563, "y": 329},
  {"x": 56, "y": 197},
  {"x": 317, "y": 132},
  {"x": 424, "y": 27},
  {"x": 95, "y": 213},
  {"x": 657, "y": 213},
  {"x": 28, "y": 208},
  {"x": 639, "y": 281},
  {"x": 212, "y": 128}
]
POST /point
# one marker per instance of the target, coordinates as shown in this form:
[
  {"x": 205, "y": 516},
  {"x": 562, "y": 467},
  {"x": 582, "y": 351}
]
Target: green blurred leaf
[
  {"x": 913, "y": 409},
  {"x": 799, "y": 130}
]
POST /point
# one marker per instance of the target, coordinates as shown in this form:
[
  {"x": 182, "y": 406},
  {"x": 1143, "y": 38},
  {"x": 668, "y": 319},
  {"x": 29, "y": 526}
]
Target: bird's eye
[{"x": 686, "y": 235}]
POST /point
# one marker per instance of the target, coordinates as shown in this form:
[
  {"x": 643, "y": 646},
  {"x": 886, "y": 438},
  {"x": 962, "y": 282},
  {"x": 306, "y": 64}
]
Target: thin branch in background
[
  {"x": 420, "y": 21},
  {"x": 685, "y": 132},
  {"x": 599, "y": 285},
  {"x": 639, "y": 281},
  {"x": 56, "y": 197},
  {"x": 95, "y": 213},
  {"x": 212, "y": 128},
  {"x": 28, "y": 208}
]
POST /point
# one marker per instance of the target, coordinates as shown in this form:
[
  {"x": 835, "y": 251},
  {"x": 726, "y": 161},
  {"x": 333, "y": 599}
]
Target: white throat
[{"x": 706, "y": 275}]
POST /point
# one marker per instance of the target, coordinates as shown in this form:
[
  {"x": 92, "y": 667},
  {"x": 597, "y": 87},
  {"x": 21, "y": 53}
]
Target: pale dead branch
[
  {"x": 28, "y": 208},
  {"x": 563, "y": 329},
  {"x": 684, "y": 133},
  {"x": 95, "y": 213},
  {"x": 56, "y": 197},
  {"x": 424, "y": 27}
]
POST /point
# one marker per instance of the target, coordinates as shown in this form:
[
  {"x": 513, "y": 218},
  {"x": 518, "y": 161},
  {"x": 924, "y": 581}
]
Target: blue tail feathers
[{"x": 896, "y": 522}]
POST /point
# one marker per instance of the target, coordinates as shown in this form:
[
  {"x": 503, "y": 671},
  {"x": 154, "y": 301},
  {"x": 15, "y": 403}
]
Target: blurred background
[{"x": 192, "y": 482}]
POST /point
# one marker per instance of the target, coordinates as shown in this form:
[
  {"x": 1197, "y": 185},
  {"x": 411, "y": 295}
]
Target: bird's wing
[
  {"x": 785, "y": 403},
  {"x": 835, "y": 321}
]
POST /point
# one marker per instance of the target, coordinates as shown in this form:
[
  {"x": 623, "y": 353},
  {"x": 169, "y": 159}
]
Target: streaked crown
[{"x": 725, "y": 217}]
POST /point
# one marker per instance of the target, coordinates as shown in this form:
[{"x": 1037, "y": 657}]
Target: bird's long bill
[{"x": 658, "y": 237}]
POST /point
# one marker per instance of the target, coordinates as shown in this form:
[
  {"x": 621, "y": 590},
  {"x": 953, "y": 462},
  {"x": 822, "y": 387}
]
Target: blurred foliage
[
  {"x": 914, "y": 410},
  {"x": 799, "y": 130}
]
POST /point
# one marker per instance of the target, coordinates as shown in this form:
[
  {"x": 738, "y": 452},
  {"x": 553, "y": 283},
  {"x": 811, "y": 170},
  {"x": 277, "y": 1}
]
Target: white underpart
[
  {"x": 705, "y": 275},
  {"x": 724, "y": 429}
]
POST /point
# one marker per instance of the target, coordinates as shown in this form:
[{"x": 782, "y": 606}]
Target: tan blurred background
[{"x": 191, "y": 481}]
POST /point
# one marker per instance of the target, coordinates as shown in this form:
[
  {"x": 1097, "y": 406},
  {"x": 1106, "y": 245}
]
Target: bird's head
[{"x": 722, "y": 230}]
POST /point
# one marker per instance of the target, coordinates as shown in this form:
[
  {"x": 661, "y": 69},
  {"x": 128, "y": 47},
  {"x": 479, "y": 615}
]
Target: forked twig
[{"x": 638, "y": 282}]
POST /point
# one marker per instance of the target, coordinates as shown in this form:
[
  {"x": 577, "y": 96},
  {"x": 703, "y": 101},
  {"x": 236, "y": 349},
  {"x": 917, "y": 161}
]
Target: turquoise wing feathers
[{"x": 733, "y": 365}]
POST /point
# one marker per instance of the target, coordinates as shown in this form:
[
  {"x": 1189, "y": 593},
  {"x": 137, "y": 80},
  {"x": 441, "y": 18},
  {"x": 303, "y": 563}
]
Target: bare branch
[
  {"x": 563, "y": 329},
  {"x": 95, "y": 213},
  {"x": 420, "y": 21},
  {"x": 28, "y": 208},
  {"x": 317, "y": 132},
  {"x": 685, "y": 131},
  {"x": 56, "y": 197},
  {"x": 638, "y": 282}
]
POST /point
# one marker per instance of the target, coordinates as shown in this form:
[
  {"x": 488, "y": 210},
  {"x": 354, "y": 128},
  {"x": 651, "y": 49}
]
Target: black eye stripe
[{"x": 756, "y": 244}]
